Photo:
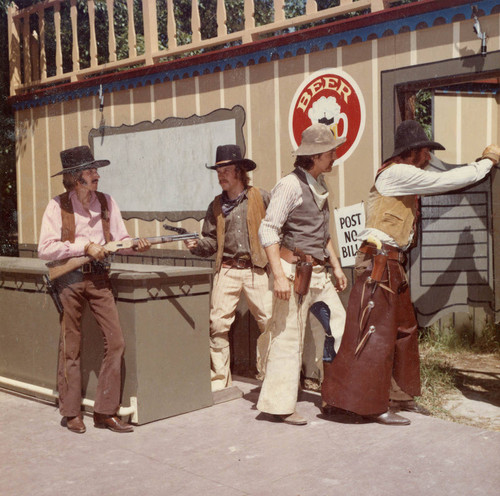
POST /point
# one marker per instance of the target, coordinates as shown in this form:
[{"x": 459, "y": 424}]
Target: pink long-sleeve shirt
[{"x": 88, "y": 228}]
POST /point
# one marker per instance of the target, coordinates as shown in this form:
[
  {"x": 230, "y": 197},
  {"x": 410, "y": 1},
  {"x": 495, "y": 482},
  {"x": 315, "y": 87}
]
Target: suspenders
[{"x": 68, "y": 217}]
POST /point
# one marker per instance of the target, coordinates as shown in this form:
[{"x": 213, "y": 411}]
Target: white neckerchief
[{"x": 318, "y": 188}]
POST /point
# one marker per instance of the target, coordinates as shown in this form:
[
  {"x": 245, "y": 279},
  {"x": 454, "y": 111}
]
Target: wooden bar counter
[{"x": 164, "y": 313}]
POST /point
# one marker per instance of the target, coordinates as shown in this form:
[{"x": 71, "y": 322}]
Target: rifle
[{"x": 58, "y": 268}]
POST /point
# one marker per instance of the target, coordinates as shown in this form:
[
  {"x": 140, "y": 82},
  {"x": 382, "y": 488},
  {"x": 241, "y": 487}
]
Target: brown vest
[
  {"x": 68, "y": 217},
  {"x": 393, "y": 215},
  {"x": 256, "y": 211}
]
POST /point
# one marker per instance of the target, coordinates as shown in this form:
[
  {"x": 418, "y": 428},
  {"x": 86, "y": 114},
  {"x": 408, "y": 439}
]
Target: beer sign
[{"x": 331, "y": 97}]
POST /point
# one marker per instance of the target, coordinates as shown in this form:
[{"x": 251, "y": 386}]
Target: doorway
[{"x": 452, "y": 269}]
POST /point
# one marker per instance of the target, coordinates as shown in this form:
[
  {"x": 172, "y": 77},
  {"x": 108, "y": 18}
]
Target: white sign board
[
  {"x": 163, "y": 169},
  {"x": 158, "y": 168},
  {"x": 349, "y": 222}
]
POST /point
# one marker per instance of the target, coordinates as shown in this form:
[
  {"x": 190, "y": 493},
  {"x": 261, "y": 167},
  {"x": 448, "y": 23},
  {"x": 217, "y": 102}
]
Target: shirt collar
[{"x": 318, "y": 188}]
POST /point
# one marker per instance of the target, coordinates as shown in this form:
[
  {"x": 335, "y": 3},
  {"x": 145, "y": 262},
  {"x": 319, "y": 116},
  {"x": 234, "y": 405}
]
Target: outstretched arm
[
  {"x": 406, "y": 179},
  {"x": 207, "y": 245}
]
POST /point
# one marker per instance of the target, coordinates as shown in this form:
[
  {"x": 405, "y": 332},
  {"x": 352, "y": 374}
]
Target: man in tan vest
[
  {"x": 376, "y": 372},
  {"x": 230, "y": 230},
  {"x": 76, "y": 223}
]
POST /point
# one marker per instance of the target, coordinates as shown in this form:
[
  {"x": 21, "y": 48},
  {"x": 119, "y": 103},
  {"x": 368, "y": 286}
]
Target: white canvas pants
[
  {"x": 228, "y": 285},
  {"x": 286, "y": 328}
]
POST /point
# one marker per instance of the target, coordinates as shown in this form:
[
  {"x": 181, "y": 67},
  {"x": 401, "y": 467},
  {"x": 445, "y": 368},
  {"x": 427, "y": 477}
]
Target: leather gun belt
[
  {"x": 237, "y": 263},
  {"x": 288, "y": 256},
  {"x": 393, "y": 253}
]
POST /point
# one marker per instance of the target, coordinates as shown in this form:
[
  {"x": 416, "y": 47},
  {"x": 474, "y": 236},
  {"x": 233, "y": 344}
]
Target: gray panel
[
  {"x": 164, "y": 316},
  {"x": 447, "y": 252},
  {"x": 452, "y": 266},
  {"x": 440, "y": 265}
]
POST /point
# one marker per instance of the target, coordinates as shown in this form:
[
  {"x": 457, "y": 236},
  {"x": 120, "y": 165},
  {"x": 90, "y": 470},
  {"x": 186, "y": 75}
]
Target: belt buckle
[
  {"x": 86, "y": 268},
  {"x": 241, "y": 263}
]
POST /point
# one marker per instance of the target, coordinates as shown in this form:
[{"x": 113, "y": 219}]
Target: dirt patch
[
  {"x": 471, "y": 394},
  {"x": 476, "y": 397}
]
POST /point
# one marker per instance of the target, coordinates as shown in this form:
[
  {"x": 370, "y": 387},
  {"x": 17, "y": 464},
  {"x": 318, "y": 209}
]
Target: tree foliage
[
  {"x": 8, "y": 199},
  {"x": 423, "y": 110}
]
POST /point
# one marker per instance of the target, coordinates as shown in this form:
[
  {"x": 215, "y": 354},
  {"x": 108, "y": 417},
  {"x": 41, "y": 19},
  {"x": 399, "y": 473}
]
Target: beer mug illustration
[
  {"x": 337, "y": 119},
  {"x": 327, "y": 111}
]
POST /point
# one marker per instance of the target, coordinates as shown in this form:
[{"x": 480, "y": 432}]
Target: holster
[
  {"x": 303, "y": 273},
  {"x": 302, "y": 277},
  {"x": 379, "y": 264}
]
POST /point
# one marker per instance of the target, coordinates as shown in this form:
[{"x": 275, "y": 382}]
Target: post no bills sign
[{"x": 349, "y": 222}]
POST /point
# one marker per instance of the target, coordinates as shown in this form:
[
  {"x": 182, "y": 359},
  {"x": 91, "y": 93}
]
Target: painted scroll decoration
[{"x": 158, "y": 168}]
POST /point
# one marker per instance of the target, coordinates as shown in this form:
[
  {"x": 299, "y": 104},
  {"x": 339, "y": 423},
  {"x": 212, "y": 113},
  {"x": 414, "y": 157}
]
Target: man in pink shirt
[{"x": 80, "y": 222}]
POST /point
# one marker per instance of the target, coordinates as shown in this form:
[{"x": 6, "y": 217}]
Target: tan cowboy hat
[{"x": 318, "y": 138}]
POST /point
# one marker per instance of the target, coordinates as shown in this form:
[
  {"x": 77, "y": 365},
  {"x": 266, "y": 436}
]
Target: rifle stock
[{"x": 58, "y": 268}]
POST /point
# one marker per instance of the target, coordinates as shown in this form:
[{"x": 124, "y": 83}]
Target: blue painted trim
[{"x": 266, "y": 55}]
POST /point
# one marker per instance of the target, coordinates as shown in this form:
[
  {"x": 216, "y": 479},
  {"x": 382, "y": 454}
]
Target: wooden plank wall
[{"x": 264, "y": 90}]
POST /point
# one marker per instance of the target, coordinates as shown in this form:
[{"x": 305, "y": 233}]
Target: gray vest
[{"x": 307, "y": 226}]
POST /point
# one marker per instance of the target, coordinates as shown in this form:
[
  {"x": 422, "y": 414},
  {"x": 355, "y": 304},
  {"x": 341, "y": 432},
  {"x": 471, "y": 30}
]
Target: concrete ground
[{"x": 230, "y": 449}]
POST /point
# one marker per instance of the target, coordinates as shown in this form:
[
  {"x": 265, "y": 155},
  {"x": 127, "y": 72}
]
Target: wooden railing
[{"x": 47, "y": 47}]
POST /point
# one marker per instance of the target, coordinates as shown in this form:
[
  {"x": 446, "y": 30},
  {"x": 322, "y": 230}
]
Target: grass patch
[
  {"x": 448, "y": 340},
  {"x": 437, "y": 379}
]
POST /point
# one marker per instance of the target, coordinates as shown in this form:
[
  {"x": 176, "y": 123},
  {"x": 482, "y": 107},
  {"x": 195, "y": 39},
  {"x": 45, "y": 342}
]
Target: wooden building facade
[{"x": 159, "y": 114}]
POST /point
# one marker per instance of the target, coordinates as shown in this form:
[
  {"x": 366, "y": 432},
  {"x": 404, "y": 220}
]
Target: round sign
[{"x": 332, "y": 97}]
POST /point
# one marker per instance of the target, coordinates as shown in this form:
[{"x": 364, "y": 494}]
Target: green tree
[{"x": 423, "y": 110}]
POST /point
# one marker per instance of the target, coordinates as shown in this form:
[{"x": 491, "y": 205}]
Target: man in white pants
[
  {"x": 230, "y": 230},
  {"x": 298, "y": 219}
]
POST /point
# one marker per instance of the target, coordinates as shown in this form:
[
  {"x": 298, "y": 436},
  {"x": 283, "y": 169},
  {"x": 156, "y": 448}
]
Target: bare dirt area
[{"x": 474, "y": 395}]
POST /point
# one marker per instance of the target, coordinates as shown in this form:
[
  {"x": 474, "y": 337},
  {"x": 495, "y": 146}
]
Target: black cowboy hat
[
  {"x": 410, "y": 135},
  {"x": 79, "y": 158},
  {"x": 231, "y": 154}
]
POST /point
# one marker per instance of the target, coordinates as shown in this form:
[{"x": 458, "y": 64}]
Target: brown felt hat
[{"x": 410, "y": 135}]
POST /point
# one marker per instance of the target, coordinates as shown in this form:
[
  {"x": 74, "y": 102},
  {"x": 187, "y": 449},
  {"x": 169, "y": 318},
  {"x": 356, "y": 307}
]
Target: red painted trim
[{"x": 362, "y": 21}]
